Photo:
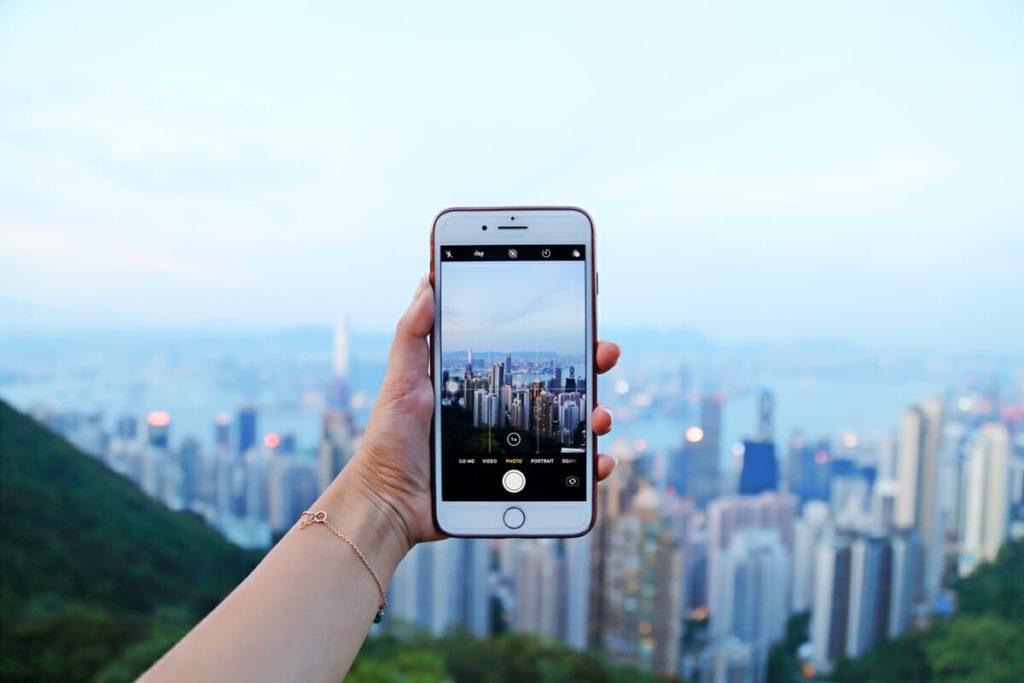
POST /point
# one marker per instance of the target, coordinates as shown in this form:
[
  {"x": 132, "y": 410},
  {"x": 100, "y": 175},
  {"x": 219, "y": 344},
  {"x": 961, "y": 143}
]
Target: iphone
[{"x": 512, "y": 364}]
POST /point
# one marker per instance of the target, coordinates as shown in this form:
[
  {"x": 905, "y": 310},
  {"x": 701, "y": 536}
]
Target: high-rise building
[
  {"x": 222, "y": 433},
  {"x": 537, "y": 587},
  {"x": 906, "y": 553},
  {"x": 696, "y": 470},
  {"x": 127, "y": 428},
  {"x": 340, "y": 350},
  {"x": 570, "y": 381},
  {"x": 575, "y": 583},
  {"x": 292, "y": 486},
  {"x": 749, "y": 602},
  {"x": 830, "y": 614},
  {"x": 158, "y": 429},
  {"x": 870, "y": 593},
  {"x": 863, "y": 591},
  {"x": 808, "y": 470},
  {"x": 190, "y": 460},
  {"x": 986, "y": 496},
  {"x": 760, "y": 471},
  {"x": 338, "y": 442},
  {"x": 917, "y": 503},
  {"x": 643, "y": 598},
  {"x": 471, "y": 589},
  {"x": 730, "y": 514},
  {"x": 246, "y": 423},
  {"x": 807, "y": 532},
  {"x": 765, "y": 416},
  {"x": 422, "y": 590}
]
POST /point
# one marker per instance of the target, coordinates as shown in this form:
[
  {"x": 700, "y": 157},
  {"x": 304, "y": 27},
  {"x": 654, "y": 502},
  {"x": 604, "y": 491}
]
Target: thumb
[{"x": 410, "y": 358}]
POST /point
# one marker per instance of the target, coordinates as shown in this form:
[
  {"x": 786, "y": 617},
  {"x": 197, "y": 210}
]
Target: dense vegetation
[
  {"x": 415, "y": 657},
  {"x": 97, "y": 580}
]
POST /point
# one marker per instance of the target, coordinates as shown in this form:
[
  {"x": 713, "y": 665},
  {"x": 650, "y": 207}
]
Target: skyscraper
[
  {"x": 471, "y": 594},
  {"x": 917, "y": 504},
  {"x": 537, "y": 589},
  {"x": 760, "y": 471},
  {"x": 222, "y": 433},
  {"x": 986, "y": 496},
  {"x": 158, "y": 428},
  {"x": 338, "y": 442},
  {"x": 870, "y": 587},
  {"x": 643, "y": 595},
  {"x": 807, "y": 532},
  {"x": 246, "y": 429},
  {"x": 830, "y": 615},
  {"x": 338, "y": 390},
  {"x": 808, "y": 469},
  {"x": 340, "y": 350},
  {"x": 695, "y": 471},
  {"x": 421, "y": 591},
  {"x": 749, "y": 602},
  {"x": 765, "y": 416}
]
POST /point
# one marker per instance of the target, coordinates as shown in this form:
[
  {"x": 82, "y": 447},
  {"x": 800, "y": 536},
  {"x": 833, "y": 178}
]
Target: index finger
[{"x": 607, "y": 355}]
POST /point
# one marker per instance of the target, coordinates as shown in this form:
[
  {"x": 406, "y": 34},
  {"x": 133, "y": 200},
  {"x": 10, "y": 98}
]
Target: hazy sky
[
  {"x": 514, "y": 307},
  {"x": 758, "y": 171}
]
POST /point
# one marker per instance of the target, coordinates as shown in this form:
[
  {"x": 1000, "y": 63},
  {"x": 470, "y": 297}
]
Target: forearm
[{"x": 304, "y": 612}]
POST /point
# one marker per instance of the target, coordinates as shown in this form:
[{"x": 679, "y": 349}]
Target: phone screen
[{"x": 514, "y": 394}]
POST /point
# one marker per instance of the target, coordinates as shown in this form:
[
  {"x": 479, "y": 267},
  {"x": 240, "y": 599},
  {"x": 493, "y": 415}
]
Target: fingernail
[{"x": 607, "y": 410}]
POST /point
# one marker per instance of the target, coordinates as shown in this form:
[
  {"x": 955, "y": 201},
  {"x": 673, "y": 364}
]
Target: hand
[{"x": 393, "y": 462}]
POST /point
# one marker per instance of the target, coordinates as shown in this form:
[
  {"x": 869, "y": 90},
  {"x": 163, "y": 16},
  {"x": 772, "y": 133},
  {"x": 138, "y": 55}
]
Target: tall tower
[
  {"x": 986, "y": 500},
  {"x": 765, "y": 416},
  {"x": 917, "y": 474},
  {"x": 340, "y": 351},
  {"x": 246, "y": 422},
  {"x": 749, "y": 602},
  {"x": 696, "y": 469},
  {"x": 830, "y": 613}
]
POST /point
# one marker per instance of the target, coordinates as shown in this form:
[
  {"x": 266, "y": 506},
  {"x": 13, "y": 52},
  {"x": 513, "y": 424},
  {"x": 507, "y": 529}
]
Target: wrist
[{"x": 371, "y": 522}]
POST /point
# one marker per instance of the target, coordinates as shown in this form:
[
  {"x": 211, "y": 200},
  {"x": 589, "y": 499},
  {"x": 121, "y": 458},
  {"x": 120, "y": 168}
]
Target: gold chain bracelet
[{"x": 320, "y": 517}]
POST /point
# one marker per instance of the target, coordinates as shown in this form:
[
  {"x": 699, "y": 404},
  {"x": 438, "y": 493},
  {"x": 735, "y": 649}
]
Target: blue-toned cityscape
[{"x": 723, "y": 518}]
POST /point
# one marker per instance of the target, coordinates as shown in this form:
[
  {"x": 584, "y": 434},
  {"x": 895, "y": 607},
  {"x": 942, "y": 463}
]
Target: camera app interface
[{"x": 514, "y": 394}]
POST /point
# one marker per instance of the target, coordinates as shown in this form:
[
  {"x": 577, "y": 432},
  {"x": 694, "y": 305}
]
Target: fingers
[
  {"x": 607, "y": 355},
  {"x": 605, "y": 466},
  {"x": 409, "y": 354},
  {"x": 601, "y": 420}
]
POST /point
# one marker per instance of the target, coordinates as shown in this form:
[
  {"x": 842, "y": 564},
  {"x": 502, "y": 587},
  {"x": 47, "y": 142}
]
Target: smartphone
[{"x": 512, "y": 363}]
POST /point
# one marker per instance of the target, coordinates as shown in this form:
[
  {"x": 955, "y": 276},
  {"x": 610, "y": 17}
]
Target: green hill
[{"x": 97, "y": 580}]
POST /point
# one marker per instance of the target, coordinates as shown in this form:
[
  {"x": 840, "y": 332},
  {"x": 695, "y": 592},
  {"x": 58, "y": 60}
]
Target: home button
[{"x": 514, "y": 518}]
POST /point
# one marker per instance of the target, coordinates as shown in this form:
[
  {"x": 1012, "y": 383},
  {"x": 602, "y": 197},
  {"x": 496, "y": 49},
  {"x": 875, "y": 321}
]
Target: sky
[
  {"x": 514, "y": 307},
  {"x": 759, "y": 172}
]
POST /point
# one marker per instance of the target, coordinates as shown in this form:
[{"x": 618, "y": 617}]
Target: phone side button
[{"x": 514, "y": 518}]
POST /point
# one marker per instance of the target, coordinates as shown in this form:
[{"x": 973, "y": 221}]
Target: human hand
[{"x": 392, "y": 466}]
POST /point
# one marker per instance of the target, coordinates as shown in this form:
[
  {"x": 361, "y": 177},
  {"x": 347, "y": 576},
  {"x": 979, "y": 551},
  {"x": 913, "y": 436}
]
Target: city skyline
[{"x": 743, "y": 555}]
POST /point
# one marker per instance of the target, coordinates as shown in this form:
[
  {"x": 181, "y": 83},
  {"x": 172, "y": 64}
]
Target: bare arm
[{"x": 304, "y": 612}]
